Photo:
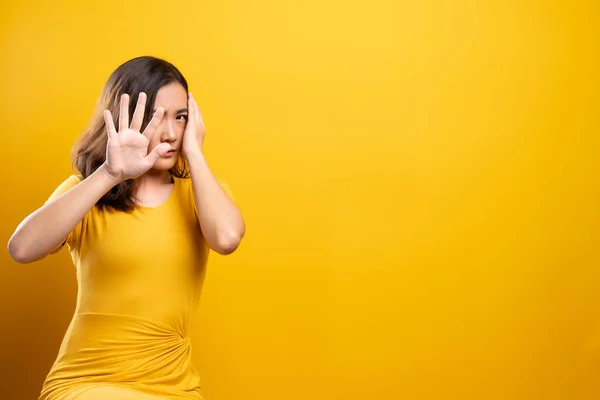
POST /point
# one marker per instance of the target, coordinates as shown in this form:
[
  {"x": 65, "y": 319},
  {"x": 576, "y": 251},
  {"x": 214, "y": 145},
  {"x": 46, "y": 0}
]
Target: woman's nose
[{"x": 168, "y": 130}]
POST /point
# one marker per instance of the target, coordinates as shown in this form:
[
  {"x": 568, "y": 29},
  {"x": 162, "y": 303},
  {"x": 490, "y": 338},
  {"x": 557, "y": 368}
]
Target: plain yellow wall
[{"x": 419, "y": 180}]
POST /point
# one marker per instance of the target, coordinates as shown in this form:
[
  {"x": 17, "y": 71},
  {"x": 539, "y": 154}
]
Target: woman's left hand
[{"x": 193, "y": 136}]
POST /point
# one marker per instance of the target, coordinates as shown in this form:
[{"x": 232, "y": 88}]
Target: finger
[
  {"x": 157, "y": 152},
  {"x": 154, "y": 123},
  {"x": 196, "y": 110},
  {"x": 190, "y": 116},
  {"x": 138, "y": 114},
  {"x": 198, "y": 113},
  {"x": 192, "y": 108},
  {"x": 110, "y": 125},
  {"x": 124, "y": 113}
]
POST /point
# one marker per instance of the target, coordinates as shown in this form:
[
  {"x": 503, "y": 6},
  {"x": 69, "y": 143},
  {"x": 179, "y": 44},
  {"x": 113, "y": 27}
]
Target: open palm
[{"x": 127, "y": 154}]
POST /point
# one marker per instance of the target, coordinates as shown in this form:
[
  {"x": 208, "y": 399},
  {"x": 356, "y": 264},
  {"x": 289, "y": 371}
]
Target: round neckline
[{"x": 143, "y": 207}]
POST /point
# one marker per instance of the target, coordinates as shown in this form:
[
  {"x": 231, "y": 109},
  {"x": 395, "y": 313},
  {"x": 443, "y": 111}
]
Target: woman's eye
[{"x": 182, "y": 117}]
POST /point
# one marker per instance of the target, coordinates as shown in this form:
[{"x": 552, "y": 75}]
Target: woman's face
[{"x": 173, "y": 98}]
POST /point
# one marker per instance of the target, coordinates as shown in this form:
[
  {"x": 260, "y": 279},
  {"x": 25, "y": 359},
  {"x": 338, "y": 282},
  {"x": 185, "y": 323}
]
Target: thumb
[{"x": 157, "y": 152}]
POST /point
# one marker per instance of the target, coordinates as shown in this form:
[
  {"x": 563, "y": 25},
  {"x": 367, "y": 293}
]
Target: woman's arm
[
  {"x": 127, "y": 157},
  {"x": 220, "y": 219},
  {"x": 47, "y": 227}
]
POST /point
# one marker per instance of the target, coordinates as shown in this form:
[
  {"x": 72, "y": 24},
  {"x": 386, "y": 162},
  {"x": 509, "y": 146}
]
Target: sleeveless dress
[{"x": 139, "y": 278}]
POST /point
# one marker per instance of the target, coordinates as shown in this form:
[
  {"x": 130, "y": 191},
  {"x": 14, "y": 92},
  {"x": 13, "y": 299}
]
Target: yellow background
[{"x": 419, "y": 180}]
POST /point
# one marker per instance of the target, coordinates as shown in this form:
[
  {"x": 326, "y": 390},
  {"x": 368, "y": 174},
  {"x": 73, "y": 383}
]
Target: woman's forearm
[
  {"x": 47, "y": 227},
  {"x": 219, "y": 217}
]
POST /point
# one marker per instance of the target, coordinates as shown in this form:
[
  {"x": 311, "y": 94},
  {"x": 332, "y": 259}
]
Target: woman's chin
[{"x": 165, "y": 164}]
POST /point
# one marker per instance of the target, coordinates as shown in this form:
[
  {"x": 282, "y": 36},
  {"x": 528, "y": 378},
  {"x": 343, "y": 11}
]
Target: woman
[{"x": 139, "y": 218}]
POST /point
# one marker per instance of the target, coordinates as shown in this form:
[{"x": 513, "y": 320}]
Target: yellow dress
[{"x": 140, "y": 276}]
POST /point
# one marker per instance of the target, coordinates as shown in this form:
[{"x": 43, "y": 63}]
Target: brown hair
[{"x": 141, "y": 74}]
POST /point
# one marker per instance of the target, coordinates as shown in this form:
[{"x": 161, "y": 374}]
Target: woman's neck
[
  {"x": 156, "y": 178},
  {"x": 154, "y": 188}
]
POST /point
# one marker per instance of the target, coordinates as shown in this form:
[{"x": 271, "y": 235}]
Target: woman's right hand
[{"x": 127, "y": 154}]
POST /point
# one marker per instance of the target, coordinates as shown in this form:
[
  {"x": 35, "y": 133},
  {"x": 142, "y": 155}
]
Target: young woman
[{"x": 139, "y": 217}]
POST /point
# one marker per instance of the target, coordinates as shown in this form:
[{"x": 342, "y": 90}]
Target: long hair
[{"x": 141, "y": 74}]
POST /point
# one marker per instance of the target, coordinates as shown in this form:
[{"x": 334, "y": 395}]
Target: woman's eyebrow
[{"x": 182, "y": 110}]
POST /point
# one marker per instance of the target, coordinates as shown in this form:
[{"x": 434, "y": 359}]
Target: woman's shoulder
[
  {"x": 72, "y": 179},
  {"x": 66, "y": 184},
  {"x": 186, "y": 184}
]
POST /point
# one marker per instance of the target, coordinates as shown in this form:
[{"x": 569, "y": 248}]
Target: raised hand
[
  {"x": 195, "y": 130},
  {"x": 127, "y": 154}
]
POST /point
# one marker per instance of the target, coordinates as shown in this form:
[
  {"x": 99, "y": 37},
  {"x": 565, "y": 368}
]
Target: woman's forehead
[{"x": 171, "y": 96}]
